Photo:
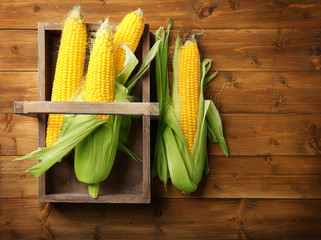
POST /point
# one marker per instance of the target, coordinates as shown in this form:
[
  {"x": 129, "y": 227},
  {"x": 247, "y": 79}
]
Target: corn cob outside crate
[
  {"x": 69, "y": 68},
  {"x": 189, "y": 90},
  {"x": 186, "y": 119}
]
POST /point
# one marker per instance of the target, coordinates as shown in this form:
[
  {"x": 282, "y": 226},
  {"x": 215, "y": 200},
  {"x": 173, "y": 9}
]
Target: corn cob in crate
[
  {"x": 129, "y": 33},
  {"x": 69, "y": 68},
  {"x": 186, "y": 119}
]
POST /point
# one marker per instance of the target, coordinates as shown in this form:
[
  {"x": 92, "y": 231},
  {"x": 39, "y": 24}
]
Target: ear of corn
[
  {"x": 129, "y": 33},
  {"x": 185, "y": 117},
  {"x": 69, "y": 68},
  {"x": 100, "y": 81},
  {"x": 189, "y": 89},
  {"x": 94, "y": 156}
]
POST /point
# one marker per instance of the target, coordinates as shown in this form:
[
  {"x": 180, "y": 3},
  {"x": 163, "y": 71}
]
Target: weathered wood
[
  {"x": 235, "y": 177},
  {"x": 246, "y": 134},
  {"x": 146, "y": 131},
  {"x": 232, "y": 50},
  {"x": 186, "y": 14},
  {"x": 165, "y": 219},
  {"x": 134, "y": 108}
]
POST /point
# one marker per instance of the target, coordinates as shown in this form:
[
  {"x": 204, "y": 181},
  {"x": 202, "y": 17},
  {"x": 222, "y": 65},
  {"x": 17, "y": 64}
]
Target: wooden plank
[
  {"x": 186, "y": 14},
  {"x": 266, "y": 92},
  {"x": 246, "y": 134},
  {"x": 166, "y": 219},
  {"x": 18, "y": 50},
  {"x": 233, "y": 92},
  {"x": 38, "y": 107},
  {"x": 232, "y": 50},
  {"x": 235, "y": 177}
]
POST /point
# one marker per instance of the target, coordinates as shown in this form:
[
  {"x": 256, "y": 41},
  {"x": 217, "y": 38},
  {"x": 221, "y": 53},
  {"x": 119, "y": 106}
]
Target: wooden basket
[{"x": 129, "y": 181}]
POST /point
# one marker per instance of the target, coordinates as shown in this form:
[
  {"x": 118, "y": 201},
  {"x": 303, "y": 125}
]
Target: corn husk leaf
[
  {"x": 75, "y": 129},
  {"x": 160, "y": 165},
  {"x": 130, "y": 63},
  {"x": 144, "y": 67},
  {"x": 215, "y": 126}
]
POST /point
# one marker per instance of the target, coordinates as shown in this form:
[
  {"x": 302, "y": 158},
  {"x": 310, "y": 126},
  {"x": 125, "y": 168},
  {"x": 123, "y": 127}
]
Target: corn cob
[
  {"x": 186, "y": 119},
  {"x": 189, "y": 90},
  {"x": 129, "y": 32},
  {"x": 100, "y": 82},
  {"x": 69, "y": 68}
]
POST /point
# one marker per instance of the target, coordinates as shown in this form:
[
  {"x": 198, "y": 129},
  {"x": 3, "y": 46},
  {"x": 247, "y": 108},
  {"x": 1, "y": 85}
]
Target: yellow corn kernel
[
  {"x": 100, "y": 82},
  {"x": 69, "y": 68},
  {"x": 189, "y": 90},
  {"x": 129, "y": 32}
]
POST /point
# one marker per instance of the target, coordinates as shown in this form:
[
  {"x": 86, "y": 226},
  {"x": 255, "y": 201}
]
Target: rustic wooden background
[{"x": 268, "y": 54}]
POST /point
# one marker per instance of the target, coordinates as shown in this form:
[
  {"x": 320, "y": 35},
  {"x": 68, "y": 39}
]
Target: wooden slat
[
  {"x": 232, "y": 50},
  {"x": 246, "y": 134},
  {"x": 186, "y": 14},
  {"x": 235, "y": 177},
  {"x": 233, "y": 92},
  {"x": 38, "y": 107},
  {"x": 166, "y": 219}
]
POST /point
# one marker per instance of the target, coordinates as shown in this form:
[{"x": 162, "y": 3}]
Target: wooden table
[{"x": 268, "y": 54}]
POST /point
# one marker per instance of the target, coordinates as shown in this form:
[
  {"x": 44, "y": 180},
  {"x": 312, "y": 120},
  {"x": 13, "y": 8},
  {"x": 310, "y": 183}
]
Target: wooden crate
[{"x": 129, "y": 180}]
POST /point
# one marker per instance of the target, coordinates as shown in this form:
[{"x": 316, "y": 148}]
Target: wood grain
[
  {"x": 165, "y": 219},
  {"x": 236, "y": 177},
  {"x": 232, "y": 50},
  {"x": 186, "y": 13},
  {"x": 246, "y": 134}
]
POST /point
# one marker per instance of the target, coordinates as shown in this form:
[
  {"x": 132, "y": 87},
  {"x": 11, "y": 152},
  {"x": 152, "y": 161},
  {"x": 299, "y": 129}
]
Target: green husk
[
  {"x": 75, "y": 128},
  {"x": 172, "y": 156}
]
